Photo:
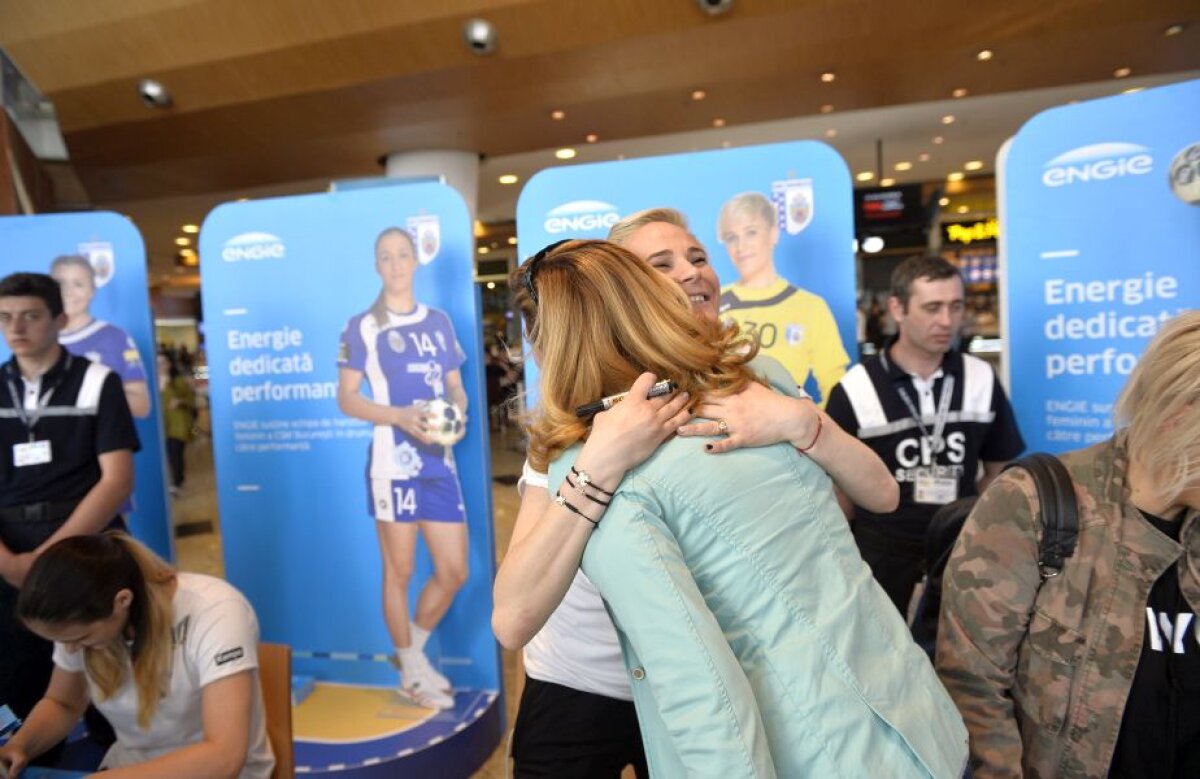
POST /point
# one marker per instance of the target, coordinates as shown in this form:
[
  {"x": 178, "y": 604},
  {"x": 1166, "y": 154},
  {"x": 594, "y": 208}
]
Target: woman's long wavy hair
[
  {"x": 602, "y": 318},
  {"x": 75, "y": 582}
]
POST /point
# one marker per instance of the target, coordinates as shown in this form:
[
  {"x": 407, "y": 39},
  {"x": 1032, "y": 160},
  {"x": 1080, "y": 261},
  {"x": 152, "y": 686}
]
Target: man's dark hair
[
  {"x": 33, "y": 285},
  {"x": 930, "y": 266}
]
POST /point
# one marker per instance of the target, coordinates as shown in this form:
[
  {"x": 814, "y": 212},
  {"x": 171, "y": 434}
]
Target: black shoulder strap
[{"x": 1060, "y": 513}]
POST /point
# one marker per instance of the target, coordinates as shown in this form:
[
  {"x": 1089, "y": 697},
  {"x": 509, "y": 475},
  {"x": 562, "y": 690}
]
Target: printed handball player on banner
[{"x": 410, "y": 357}]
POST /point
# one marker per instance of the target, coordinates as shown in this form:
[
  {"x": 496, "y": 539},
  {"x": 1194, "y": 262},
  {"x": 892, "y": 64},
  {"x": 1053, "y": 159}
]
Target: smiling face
[
  {"x": 674, "y": 252},
  {"x": 77, "y": 287},
  {"x": 395, "y": 262},
  {"x": 750, "y": 241}
]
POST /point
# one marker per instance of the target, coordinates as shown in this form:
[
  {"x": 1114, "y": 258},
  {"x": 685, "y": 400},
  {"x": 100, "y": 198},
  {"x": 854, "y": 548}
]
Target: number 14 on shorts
[{"x": 405, "y": 501}]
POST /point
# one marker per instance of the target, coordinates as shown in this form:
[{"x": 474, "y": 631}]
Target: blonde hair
[
  {"x": 603, "y": 318},
  {"x": 76, "y": 581},
  {"x": 1160, "y": 407},
  {"x": 749, "y": 203},
  {"x": 620, "y": 232}
]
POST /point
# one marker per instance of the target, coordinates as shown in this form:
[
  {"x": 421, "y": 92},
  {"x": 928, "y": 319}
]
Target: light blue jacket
[{"x": 757, "y": 641}]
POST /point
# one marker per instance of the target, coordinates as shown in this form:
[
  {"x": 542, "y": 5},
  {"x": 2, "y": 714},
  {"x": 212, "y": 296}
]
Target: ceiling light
[
  {"x": 182, "y": 241},
  {"x": 620, "y": 157},
  {"x": 512, "y": 240},
  {"x": 1131, "y": 90},
  {"x": 591, "y": 137},
  {"x": 887, "y": 182},
  {"x": 960, "y": 92},
  {"x": 558, "y": 114},
  {"x": 938, "y": 140},
  {"x": 699, "y": 94},
  {"x": 242, "y": 199},
  {"x": 974, "y": 165},
  {"x": 491, "y": 285},
  {"x": 948, "y": 119},
  {"x": 962, "y": 209},
  {"x": 187, "y": 252},
  {"x": 828, "y": 78},
  {"x": 903, "y": 166},
  {"x": 508, "y": 178},
  {"x": 831, "y": 133},
  {"x": 479, "y": 35},
  {"x": 827, "y": 108},
  {"x": 865, "y": 175},
  {"x": 565, "y": 154},
  {"x": 1174, "y": 29},
  {"x": 923, "y": 157},
  {"x": 955, "y": 176},
  {"x": 872, "y": 244},
  {"x": 191, "y": 229},
  {"x": 718, "y": 122},
  {"x": 483, "y": 250},
  {"x": 1121, "y": 72},
  {"x": 983, "y": 55},
  {"x": 943, "y": 201},
  {"x": 154, "y": 94},
  {"x": 725, "y": 144}
]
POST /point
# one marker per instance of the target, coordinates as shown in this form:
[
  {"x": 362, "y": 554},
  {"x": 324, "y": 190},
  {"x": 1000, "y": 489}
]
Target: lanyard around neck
[
  {"x": 28, "y": 417},
  {"x": 936, "y": 439}
]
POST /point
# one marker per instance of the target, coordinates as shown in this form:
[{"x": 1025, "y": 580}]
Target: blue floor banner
[
  {"x": 99, "y": 260},
  {"x": 1100, "y": 219},
  {"x": 352, "y": 461}
]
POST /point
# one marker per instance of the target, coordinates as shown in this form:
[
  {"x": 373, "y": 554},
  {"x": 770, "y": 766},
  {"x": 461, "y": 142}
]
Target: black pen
[{"x": 664, "y": 387}]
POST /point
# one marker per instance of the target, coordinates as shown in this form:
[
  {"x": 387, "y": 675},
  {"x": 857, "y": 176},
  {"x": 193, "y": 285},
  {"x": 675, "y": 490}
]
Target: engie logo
[
  {"x": 253, "y": 246},
  {"x": 1098, "y": 162},
  {"x": 581, "y": 216}
]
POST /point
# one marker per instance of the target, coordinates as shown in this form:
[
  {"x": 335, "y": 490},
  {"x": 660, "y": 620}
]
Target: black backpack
[{"x": 1060, "y": 530}]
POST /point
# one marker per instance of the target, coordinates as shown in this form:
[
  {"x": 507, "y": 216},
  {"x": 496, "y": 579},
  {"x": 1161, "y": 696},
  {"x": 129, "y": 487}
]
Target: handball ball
[
  {"x": 443, "y": 421},
  {"x": 1185, "y": 174}
]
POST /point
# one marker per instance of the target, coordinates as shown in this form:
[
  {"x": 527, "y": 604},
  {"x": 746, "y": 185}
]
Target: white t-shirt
[
  {"x": 577, "y": 647},
  {"x": 216, "y": 635}
]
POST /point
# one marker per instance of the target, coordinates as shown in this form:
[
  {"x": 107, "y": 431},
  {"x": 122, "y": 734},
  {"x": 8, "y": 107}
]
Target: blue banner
[
  {"x": 788, "y": 206},
  {"x": 291, "y": 288},
  {"x": 1100, "y": 213},
  {"x": 100, "y": 261}
]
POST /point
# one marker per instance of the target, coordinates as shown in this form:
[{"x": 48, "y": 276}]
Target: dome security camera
[
  {"x": 154, "y": 94},
  {"x": 715, "y": 7},
  {"x": 480, "y": 36}
]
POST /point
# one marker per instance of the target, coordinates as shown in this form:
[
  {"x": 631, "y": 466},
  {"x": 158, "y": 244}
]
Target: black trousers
[
  {"x": 561, "y": 732},
  {"x": 175, "y": 459},
  {"x": 896, "y": 561}
]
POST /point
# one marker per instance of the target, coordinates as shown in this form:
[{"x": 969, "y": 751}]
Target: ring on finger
[{"x": 723, "y": 427}]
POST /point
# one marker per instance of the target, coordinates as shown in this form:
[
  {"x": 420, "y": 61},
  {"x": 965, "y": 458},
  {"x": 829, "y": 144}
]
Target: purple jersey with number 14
[{"x": 108, "y": 345}]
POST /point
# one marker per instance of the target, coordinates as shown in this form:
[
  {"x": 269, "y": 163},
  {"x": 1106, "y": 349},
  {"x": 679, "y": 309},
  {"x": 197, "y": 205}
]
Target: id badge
[
  {"x": 935, "y": 490},
  {"x": 32, "y": 453}
]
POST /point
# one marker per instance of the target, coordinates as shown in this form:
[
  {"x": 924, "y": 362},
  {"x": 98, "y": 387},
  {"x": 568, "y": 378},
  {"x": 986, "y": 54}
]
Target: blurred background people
[{"x": 178, "y": 399}]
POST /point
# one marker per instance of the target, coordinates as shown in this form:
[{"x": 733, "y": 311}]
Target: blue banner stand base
[{"x": 451, "y": 743}]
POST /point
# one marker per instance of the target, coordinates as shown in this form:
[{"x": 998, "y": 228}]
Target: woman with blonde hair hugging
[
  {"x": 757, "y": 642},
  {"x": 169, "y": 658}
]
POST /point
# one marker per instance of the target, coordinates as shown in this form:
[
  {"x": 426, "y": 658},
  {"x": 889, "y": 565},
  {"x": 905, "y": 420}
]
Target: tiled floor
[{"x": 199, "y": 547}]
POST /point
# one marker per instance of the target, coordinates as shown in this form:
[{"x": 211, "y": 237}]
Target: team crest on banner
[
  {"x": 427, "y": 234},
  {"x": 794, "y": 202},
  {"x": 102, "y": 258}
]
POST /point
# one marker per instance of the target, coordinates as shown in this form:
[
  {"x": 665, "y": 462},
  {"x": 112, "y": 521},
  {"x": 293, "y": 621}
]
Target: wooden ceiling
[{"x": 275, "y": 91}]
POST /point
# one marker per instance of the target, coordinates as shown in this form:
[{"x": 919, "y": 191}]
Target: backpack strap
[{"x": 1060, "y": 512}]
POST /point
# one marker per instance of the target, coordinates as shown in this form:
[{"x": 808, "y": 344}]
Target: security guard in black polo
[{"x": 66, "y": 461}]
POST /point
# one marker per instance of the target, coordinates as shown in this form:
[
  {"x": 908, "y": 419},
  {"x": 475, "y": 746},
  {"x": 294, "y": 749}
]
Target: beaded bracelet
[{"x": 560, "y": 500}]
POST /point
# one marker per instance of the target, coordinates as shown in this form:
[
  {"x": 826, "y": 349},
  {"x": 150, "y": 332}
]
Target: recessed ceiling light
[
  {"x": 943, "y": 201},
  {"x": 491, "y": 285},
  {"x": 182, "y": 241},
  {"x": 483, "y": 250},
  {"x": 188, "y": 252},
  {"x": 872, "y": 244},
  {"x": 828, "y": 78},
  {"x": 960, "y": 92},
  {"x": 983, "y": 55},
  {"x": 1174, "y": 29},
  {"x": 1131, "y": 90},
  {"x": 974, "y": 165},
  {"x": 591, "y": 137},
  {"x": 154, "y": 94},
  {"x": 831, "y": 133},
  {"x": 827, "y": 108},
  {"x": 565, "y": 154},
  {"x": 962, "y": 209},
  {"x": 508, "y": 178},
  {"x": 191, "y": 229},
  {"x": 948, "y": 119},
  {"x": 558, "y": 114},
  {"x": 904, "y": 165},
  {"x": 1121, "y": 72},
  {"x": 242, "y": 199},
  {"x": 718, "y": 122},
  {"x": 865, "y": 175},
  {"x": 699, "y": 94},
  {"x": 923, "y": 157},
  {"x": 887, "y": 182},
  {"x": 955, "y": 176},
  {"x": 512, "y": 240},
  {"x": 938, "y": 140}
]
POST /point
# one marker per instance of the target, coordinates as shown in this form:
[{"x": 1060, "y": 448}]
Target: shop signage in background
[
  {"x": 967, "y": 233},
  {"x": 1100, "y": 213},
  {"x": 307, "y": 299},
  {"x": 117, "y": 330},
  {"x": 803, "y": 188}
]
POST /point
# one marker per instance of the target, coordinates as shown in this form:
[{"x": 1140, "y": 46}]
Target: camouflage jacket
[{"x": 1041, "y": 676}]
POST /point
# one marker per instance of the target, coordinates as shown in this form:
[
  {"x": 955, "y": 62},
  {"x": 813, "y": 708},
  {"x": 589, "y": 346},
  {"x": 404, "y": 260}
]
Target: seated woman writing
[
  {"x": 757, "y": 642},
  {"x": 169, "y": 658}
]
